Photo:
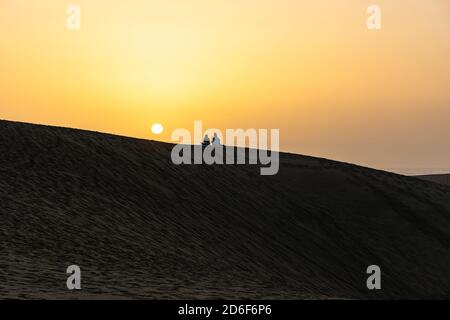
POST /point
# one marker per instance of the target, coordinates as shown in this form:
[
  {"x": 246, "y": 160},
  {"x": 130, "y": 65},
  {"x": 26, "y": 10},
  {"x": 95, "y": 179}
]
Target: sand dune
[
  {"x": 438, "y": 178},
  {"x": 141, "y": 227}
]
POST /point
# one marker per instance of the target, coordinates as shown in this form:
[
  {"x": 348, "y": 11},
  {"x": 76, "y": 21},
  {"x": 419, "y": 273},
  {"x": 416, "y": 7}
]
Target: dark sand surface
[
  {"x": 141, "y": 227},
  {"x": 438, "y": 178}
]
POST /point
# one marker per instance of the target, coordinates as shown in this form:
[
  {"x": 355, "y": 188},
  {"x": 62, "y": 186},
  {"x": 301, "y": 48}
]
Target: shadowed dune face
[
  {"x": 141, "y": 227},
  {"x": 438, "y": 178}
]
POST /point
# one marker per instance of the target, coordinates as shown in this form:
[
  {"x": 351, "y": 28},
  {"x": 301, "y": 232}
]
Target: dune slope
[
  {"x": 438, "y": 178},
  {"x": 141, "y": 227}
]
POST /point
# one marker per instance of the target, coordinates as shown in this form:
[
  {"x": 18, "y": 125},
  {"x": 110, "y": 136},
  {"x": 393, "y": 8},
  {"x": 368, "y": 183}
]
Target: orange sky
[{"x": 310, "y": 68}]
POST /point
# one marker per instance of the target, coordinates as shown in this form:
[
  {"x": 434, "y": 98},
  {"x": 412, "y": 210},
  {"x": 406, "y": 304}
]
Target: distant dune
[
  {"x": 141, "y": 227},
  {"x": 438, "y": 178}
]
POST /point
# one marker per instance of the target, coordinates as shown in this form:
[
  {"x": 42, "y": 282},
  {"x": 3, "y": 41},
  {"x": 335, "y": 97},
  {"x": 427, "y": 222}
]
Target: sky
[{"x": 334, "y": 88}]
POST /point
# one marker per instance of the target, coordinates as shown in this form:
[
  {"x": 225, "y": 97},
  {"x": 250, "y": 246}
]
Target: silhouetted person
[
  {"x": 206, "y": 141},
  {"x": 216, "y": 139}
]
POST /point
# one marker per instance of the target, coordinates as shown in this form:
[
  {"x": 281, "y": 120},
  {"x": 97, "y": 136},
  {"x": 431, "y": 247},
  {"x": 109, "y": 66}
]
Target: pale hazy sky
[{"x": 310, "y": 68}]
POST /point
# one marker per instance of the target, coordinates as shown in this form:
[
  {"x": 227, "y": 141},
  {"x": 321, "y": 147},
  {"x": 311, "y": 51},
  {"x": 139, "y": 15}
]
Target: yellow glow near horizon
[{"x": 310, "y": 68}]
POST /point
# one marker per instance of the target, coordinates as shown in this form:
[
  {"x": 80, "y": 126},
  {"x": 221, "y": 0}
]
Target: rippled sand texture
[{"x": 141, "y": 227}]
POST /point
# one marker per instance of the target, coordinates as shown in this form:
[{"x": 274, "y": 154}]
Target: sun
[{"x": 157, "y": 128}]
